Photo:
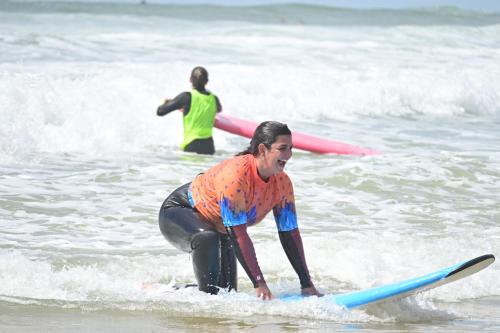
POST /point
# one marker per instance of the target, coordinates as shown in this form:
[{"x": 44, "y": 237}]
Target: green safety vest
[{"x": 199, "y": 122}]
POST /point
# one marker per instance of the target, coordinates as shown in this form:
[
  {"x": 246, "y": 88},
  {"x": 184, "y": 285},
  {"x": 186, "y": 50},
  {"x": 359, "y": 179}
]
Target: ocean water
[{"x": 85, "y": 163}]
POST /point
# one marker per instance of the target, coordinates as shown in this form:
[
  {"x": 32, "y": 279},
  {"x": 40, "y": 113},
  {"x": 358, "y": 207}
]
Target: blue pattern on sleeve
[
  {"x": 252, "y": 215},
  {"x": 190, "y": 198},
  {"x": 230, "y": 218},
  {"x": 286, "y": 219}
]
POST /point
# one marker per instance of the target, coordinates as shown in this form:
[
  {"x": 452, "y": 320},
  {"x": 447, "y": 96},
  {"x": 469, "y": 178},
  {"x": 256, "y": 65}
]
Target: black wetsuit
[
  {"x": 183, "y": 101},
  {"x": 214, "y": 261}
]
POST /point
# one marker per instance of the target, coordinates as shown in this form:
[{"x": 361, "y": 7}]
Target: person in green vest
[{"x": 199, "y": 107}]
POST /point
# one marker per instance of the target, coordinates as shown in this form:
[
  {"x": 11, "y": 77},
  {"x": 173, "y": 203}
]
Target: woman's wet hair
[
  {"x": 199, "y": 78},
  {"x": 266, "y": 133}
]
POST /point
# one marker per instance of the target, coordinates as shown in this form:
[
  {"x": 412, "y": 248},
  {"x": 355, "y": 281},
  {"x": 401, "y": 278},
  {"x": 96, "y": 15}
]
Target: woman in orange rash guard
[{"x": 209, "y": 216}]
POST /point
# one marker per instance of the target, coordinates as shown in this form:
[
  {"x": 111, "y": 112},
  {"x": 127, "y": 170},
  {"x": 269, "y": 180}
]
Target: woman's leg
[
  {"x": 228, "y": 274},
  {"x": 214, "y": 262},
  {"x": 184, "y": 229},
  {"x": 206, "y": 260}
]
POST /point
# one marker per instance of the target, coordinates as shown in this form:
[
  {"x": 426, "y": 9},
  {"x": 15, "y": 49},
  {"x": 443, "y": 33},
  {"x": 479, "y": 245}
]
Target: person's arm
[
  {"x": 179, "y": 102},
  {"x": 232, "y": 185},
  {"x": 234, "y": 218},
  {"x": 292, "y": 244},
  {"x": 219, "y": 105},
  {"x": 291, "y": 241},
  {"x": 245, "y": 252}
]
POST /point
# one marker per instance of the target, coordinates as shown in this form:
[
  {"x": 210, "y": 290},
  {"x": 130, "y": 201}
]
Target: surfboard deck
[
  {"x": 407, "y": 287},
  {"x": 301, "y": 141}
]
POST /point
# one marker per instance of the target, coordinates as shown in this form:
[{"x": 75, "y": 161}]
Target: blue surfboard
[{"x": 408, "y": 287}]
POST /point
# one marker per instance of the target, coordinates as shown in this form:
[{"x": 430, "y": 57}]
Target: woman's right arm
[
  {"x": 232, "y": 186},
  {"x": 245, "y": 252},
  {"x": 179, "y": 102}
]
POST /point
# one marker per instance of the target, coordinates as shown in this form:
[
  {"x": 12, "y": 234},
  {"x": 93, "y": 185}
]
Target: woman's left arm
[
  {"x": 292, "y": 244},
  {"x": 288, "y": 229}
]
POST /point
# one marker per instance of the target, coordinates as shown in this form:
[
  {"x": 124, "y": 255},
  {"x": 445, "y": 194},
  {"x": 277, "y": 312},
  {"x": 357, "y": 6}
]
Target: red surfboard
[{"x": 300, "y": 140}]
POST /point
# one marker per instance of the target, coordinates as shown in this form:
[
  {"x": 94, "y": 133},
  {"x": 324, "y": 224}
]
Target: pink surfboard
[{"x": 300, "y": 140}]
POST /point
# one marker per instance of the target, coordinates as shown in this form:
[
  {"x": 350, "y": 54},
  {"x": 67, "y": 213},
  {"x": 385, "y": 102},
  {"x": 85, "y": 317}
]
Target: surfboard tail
[
  {"x": 470, "y": 267},
  {"x": 301, "y": 141},
  {"x": 416, "y": 285}
]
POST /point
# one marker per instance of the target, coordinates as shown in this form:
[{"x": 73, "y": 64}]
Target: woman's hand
[
  {"x": 263, "y": 292},
  {"x": 311, "y": 291}
]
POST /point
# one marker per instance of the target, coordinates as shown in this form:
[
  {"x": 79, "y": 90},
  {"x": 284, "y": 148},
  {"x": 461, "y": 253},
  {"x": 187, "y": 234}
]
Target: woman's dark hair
[
  {"x": 265, "y": 133},
  {"x": 199, "y": 78}
]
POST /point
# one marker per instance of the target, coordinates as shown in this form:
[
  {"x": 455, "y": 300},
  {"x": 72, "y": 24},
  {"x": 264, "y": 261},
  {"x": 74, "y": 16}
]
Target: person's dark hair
[
  {"x": 265, "y": 133},
  {"x": 199, "y": 78}
]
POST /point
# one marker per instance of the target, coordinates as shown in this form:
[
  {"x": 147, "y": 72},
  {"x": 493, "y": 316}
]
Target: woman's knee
[{"x": 205, "y": 240}]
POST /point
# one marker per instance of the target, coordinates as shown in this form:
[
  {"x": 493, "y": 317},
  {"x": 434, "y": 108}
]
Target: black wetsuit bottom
[
  {"x": 214, "y": 261},
  {"x": 201, "y": 146}
]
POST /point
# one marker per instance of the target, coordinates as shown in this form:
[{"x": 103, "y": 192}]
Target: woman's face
[{"x": 275, "y": 158}]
